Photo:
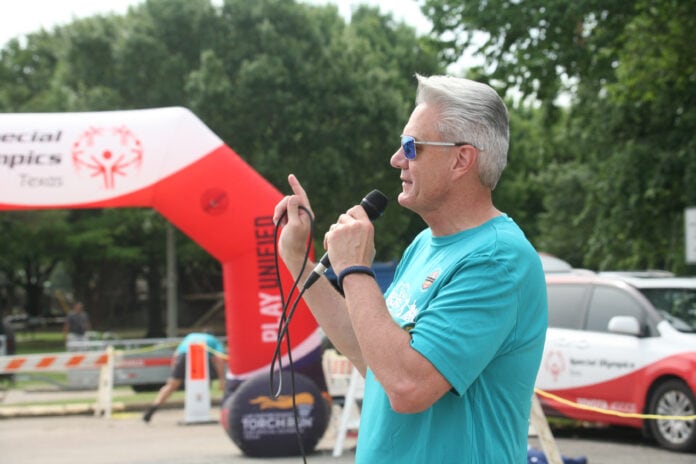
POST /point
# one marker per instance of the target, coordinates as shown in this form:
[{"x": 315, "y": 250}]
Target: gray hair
[{"x": 470, "y": 112}]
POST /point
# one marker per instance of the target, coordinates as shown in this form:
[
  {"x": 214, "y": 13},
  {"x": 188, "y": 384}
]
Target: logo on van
[{"x": 554, "y": 364}]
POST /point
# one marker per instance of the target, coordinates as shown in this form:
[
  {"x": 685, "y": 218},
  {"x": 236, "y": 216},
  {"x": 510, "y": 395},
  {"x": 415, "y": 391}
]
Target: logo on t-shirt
[
  {"x": 400, "y": 306},
  {"x": 430, "y": 279}
]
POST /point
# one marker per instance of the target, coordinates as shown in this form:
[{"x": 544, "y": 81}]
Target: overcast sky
[{"x": 25, "y": 16}]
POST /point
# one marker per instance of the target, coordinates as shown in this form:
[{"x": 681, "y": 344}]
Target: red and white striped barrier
[
  {"x": 53, "y": 362},
  {"x": 60, "y": 362}
]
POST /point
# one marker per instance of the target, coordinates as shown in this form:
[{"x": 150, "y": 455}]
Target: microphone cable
[{"x": 288, "y": 310}]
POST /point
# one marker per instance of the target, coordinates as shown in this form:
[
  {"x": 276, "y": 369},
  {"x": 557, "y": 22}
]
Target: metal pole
[{"x": 172, "y": 309}]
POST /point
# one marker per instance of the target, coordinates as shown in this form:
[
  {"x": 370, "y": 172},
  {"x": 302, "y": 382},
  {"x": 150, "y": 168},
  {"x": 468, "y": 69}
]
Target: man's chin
[{"x": 404, "y": 199}]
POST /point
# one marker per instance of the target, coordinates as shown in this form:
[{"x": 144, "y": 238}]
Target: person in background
[
  {"x": 216, "y": 361},
  {"x": 451, "y": 351},
  {"x": 76, "y": 324}
]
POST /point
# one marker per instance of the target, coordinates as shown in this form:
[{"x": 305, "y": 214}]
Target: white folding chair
[{"x": 344, "y": 383}]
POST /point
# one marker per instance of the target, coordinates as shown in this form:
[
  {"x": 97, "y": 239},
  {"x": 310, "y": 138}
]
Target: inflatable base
[{"x": 262, "y": 425}]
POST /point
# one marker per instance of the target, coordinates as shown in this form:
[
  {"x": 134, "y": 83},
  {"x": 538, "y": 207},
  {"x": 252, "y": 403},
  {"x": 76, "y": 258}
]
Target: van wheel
[{"x": 673, "y": 398}]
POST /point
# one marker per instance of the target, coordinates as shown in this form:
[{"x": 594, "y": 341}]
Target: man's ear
[{"x": 466, "y": 158}]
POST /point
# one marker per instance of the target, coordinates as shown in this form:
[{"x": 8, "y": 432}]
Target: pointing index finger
[
  {"x": 297, "y": 188},
  {"x": 299, "y": 191}
]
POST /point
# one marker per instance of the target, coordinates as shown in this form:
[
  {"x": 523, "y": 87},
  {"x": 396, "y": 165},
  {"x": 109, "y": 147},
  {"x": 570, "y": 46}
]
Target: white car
[{"x": 623, "y": 346}]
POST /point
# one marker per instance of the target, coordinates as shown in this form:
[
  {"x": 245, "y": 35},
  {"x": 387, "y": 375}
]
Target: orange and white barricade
[
  {"x": 106, "y": 385},
  {"x": 52, "y": 362},
  {"x": 197, "y": 388},
  {"x": 62, "y": 362}
]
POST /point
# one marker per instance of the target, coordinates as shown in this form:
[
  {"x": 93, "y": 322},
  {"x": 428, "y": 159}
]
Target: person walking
[
  {"x": 76, "y": 324},
  {"x": 216, "y": 361}
]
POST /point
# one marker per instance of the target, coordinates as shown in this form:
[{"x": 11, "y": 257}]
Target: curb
[
  {"x": 7, "y": 412},
  {"x": 78, "y": 409}
]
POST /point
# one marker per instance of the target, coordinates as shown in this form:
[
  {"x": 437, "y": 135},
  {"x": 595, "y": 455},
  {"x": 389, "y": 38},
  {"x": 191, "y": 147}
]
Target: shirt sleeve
[{"x": 467, "y": 322}]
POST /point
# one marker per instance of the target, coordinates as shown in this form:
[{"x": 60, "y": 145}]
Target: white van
[{"x": 622, "y": 347}]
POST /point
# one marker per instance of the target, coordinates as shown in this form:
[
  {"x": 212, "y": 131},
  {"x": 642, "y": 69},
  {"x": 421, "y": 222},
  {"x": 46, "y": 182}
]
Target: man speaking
[{"x": 450, "y": 353}]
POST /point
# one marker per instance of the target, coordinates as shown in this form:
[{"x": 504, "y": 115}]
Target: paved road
[
  {"x": 610, "y": 445},
  {"x": 84, "y": 439},
  {"x": 125, "y": 438},
  {"x": 63, "y": 433}
]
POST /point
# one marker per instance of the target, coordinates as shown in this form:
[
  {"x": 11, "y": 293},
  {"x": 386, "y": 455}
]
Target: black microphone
[{"x": 373, "y": 204}]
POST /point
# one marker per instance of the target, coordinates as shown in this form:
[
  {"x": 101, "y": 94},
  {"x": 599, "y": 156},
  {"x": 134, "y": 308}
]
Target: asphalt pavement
[
  {"x": 73, "y": 435},
  {"x": 125, "y": 438}
]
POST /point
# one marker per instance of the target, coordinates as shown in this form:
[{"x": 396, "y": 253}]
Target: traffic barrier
[
  {"x": 106, "y": 386},
  {"x": 142, "y": 363},
  {"x": 52, "y": 362},
  {"x": 64, "y": 362},
  {"x": 197, "y": 387}
]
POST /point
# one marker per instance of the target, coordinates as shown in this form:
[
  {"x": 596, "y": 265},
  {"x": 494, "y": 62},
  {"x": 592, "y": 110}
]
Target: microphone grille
[{"x": 374, "y": 204}]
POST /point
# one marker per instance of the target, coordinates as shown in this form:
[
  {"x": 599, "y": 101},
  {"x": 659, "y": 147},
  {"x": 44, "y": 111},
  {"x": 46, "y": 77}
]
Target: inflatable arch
[{"x": 166, "y": 159}]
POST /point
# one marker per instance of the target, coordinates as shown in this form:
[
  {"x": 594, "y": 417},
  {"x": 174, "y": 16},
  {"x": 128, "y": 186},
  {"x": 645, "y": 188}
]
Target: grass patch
[
  {"x": 53, "y": 341},
  {"x": 39, "y": 342}
]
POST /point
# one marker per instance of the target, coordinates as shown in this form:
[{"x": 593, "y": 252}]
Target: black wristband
[{"x": 354, "y": 270}]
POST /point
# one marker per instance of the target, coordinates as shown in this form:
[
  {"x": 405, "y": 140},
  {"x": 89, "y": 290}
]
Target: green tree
[
  {"x": 31, "y": 248},
  {"x": 290, "y": 87},
  {"x": 26, "y": 73},
  {"x": 625, "y": 143},
  {"x": 643, "y": 124},
  {"x": 520, "y": 192},
  {"x": 537, "y": 47},
  {"x": 308, "y": 94}
]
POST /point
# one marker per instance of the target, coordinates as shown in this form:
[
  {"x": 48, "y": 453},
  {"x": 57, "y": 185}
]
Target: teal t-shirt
[{"x": 475, "y": 306}]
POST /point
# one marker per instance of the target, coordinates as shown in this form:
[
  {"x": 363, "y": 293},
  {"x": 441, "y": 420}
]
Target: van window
[
  {"x": 567, "y": 305},
  {"x": 677, "y": 305},
  {"x": 608, "y": 302}
]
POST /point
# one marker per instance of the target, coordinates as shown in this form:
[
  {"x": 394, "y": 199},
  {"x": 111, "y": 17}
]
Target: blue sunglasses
[{"x": 408, "y": 144}]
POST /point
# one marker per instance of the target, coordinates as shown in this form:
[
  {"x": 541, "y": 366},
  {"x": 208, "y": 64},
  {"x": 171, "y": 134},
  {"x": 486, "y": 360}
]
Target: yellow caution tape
[
  {"x": 160, "y": 346},
  {"x": 610, "y": 412}
]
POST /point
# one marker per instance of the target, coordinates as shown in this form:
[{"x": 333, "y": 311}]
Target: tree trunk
[{"x": 155, "y": 323}]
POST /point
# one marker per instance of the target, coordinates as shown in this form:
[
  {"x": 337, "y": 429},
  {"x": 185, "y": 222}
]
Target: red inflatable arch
[{"x": 167, "y": 159}]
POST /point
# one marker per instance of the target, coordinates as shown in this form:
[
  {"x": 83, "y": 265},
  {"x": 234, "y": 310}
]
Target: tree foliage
[
  {"x": 601, "y": 162},
  {"x": 290, "y": 87},
  {"x": 618, "y": 158}
]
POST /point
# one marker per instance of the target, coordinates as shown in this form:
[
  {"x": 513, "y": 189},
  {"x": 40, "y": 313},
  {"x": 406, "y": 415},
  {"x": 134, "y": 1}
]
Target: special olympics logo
[
  {"x": 555, "y": 364},
  {"x": 107, "y": 153}
]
